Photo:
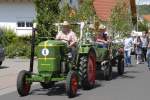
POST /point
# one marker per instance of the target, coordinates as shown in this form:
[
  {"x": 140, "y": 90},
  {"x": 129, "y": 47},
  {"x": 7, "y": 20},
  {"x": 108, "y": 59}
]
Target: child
[
  {"x": 138, "y": 49},
  {"x": 148, "y": 55}
]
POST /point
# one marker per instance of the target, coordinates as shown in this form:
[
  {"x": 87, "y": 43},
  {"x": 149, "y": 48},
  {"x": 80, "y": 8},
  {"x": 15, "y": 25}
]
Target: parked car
[{"x": 2, "y": 54}]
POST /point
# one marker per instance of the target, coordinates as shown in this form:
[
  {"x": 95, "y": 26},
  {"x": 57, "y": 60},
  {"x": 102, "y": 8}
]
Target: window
[
  {"x": 24, "y": 24},
  {"x": 29, "y": 24},
  {"x": 21, "y": 24}
]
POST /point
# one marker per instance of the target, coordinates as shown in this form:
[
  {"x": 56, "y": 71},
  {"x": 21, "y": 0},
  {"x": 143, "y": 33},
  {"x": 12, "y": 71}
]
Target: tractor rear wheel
[
  {"x": 120, "y": 66},
  {"x": 87, "y": 70},
  {"x": 47, "y": 85},
  {"x": 72, "y": 84},
  {"x": 23, "y": 86},
  {"x": 108, "y": 72}
]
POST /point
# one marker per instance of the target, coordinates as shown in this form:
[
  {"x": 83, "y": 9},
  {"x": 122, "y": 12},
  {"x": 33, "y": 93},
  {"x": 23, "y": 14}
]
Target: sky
[{"x": 140, "y": 2}]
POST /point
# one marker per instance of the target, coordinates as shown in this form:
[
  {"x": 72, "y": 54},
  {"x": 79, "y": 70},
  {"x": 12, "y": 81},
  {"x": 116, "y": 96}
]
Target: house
[
  {"x": 147, "y": 18},
  {"x": 17, "y": 15},
  {"x": 103, "y": 8}
]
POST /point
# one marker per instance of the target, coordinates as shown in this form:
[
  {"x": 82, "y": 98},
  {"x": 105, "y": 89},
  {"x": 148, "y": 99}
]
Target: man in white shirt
[
  {"x": 68, "y": 36},
  {"x": 145, "y": 42},
  {"x": 128, "y": 42}
]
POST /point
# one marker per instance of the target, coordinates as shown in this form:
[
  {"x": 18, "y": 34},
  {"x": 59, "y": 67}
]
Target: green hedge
[
  {"x": 17, "y": 49},
  {"x": 15, "y": 46}
]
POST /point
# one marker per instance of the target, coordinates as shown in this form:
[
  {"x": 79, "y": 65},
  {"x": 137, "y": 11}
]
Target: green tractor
[
  {"x": 92, "y": 57},
  {"x": 54, "y": 65}
]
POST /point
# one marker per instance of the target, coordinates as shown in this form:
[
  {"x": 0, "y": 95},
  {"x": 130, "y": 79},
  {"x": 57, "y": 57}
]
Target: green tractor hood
[{"x": 49, "y": 55}]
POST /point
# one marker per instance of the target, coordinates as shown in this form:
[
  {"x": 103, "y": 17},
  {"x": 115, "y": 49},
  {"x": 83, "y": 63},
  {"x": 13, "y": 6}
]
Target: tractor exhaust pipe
[{"x": 32, "y": 48}]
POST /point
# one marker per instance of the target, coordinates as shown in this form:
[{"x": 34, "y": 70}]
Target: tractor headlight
[{"x": 45, "y": 52}]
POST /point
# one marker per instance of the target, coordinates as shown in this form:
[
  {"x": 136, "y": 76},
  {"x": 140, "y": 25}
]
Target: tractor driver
[
  {"x": 68, "y": 36},
  {"x": 102, "y": 38},
  {"x": 90, "y": 35}
]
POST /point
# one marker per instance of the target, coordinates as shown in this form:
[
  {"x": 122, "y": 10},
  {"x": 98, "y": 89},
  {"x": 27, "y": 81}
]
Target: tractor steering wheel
[{"x": 65, "y": 41}]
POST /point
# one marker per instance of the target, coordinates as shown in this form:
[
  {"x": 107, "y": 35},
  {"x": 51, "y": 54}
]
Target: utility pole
[{"x": 138, "y": 3}]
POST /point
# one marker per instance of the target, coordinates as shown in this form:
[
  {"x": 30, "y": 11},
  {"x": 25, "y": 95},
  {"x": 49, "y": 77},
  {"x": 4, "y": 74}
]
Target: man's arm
[
  {"x": 100, "y": 40},
  {"x": 58, "y": 36},
  {"x": 73, "y": 39}
]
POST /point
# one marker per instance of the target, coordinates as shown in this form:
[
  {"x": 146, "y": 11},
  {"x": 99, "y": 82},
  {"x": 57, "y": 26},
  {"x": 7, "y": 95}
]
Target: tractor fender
[
  {"x": 86, "y": 50},
  {"x": 85, "y": 53}
]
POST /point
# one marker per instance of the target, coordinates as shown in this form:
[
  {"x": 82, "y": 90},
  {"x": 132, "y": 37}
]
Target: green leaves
[
  {"x": 47, "y": 14},
  {"x": 120, "y": 20},
  {"x": 84, "y": 13},
  {"x": 143, "y": 26}
]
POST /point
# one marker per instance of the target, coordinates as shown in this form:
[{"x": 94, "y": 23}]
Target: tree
[
  {"x": 120, "y": 20},
  {"x": 143, "y": 26},
  {"x": 143, "y": 9},
  {"x": 85, "y": 12},
  {"x": 47, "y": 15}
]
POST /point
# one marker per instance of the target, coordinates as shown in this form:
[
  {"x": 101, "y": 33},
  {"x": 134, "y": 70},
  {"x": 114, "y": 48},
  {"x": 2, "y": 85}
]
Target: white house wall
[{"x": 12, "y": 12}]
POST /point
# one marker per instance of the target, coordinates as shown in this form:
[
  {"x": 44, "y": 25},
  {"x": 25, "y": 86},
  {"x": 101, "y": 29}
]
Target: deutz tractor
[
  {"x": 54, "y": 65},
  {"x": 91, "y": 57}
]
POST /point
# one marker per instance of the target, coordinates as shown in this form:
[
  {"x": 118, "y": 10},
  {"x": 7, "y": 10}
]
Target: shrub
[
  {"x": 18, "y": 49},
  {"x": 15, "y": 46},
  {"x": 8, "y": 36}
]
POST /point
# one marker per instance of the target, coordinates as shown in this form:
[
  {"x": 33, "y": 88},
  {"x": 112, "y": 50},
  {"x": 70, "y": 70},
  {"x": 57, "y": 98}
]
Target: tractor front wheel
[
  {"x": 23, "y": 86},
  {"x": 72, "y": 84}
]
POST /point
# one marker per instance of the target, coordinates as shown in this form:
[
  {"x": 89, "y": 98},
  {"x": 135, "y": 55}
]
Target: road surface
[{"x": 133, "y": 85}]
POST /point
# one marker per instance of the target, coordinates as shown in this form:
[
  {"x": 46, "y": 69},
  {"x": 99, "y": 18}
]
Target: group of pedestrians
[{"x": 141, "y": 46}]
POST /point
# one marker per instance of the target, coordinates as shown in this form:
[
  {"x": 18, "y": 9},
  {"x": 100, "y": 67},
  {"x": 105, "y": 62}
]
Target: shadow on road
[
  {"x": 115, "y": 75},
  {"x": 3, "y": 67},
  {"x": 57, "y": 90},
  {"x": 132, "y": 72},
  {"x": 127, "y": 77}
]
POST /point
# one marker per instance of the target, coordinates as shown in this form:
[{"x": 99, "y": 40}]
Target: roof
[
  {"x": 104, "y": 7},
  {"x": 147, "y": 17}
]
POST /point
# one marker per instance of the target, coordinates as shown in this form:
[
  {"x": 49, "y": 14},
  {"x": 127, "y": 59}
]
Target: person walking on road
[
  {"x": 145, "y": 42},
  {"x": 127, "y": 50},
  {"x": 148, "y": 55},
  {"x": 138, "y": 50}
]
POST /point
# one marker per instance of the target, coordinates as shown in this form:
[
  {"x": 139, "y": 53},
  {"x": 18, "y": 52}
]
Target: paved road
[
  {"x": 133, "y": 85},
  {"x": 9, "y": 71}
]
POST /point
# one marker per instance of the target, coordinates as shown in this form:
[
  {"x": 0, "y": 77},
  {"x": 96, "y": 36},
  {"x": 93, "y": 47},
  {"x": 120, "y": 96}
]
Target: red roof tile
[
  {"x": 147, "y": 17},
  {"x": 103, "y": 8}
]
